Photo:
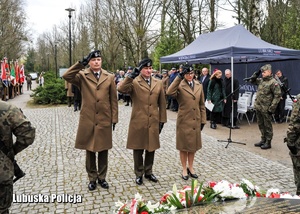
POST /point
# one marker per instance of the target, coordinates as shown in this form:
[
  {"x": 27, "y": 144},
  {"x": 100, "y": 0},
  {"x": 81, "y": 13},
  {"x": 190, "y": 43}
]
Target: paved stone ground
[{"x": 54, "y": 166}]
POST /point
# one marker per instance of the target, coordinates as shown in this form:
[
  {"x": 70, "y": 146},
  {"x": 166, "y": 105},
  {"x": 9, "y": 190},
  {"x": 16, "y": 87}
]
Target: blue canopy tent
[
  {"x": 236, "y": 45},
  {"x": 232, "y": 44}
]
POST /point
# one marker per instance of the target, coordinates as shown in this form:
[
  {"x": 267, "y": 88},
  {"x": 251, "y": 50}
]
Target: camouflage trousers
[
  {"x": 6, "y": 196},
  {"x": 6, "y": 182},
  {"x": 296, "y": 169},
  {"x": 264, "y": 121}
]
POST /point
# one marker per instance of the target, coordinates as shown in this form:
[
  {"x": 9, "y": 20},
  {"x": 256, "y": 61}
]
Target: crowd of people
[
  {"x": 12, "y": 79},
  {"x": 150, "y": 94}
]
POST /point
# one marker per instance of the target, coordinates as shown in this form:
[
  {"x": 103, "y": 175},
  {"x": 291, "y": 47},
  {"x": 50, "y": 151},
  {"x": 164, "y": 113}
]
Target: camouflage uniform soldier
[
  {"x": 293, "y": 141},
  {"x": 268, "y": 96},
  {"x": 12, "y": 122}
]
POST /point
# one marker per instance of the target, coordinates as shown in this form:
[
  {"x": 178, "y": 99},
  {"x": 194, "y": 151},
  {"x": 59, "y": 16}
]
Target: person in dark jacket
[
  {"x": 204, "y": 79},
  {"x": 231, "y": 98},
  {"x": 77, "y": 97},
  {"x": 279, "y": 112},
  {"x": 216, "y": 95}
]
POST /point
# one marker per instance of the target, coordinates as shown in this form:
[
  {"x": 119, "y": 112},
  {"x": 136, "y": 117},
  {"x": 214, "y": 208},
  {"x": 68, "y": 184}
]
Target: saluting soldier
[
  {"x": 191, "y": 118},
  {"x": 147, "y": 118},
  {"x": 267, "y": 99},
  {"x": 12, "y": 122},
  {"x": 293, "y": 141},
  {"x": 70, "y": 94},
  {"x": 98, "y": 115}
]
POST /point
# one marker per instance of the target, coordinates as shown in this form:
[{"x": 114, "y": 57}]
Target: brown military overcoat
[
  {"x": 148, "y": 109},
  {"x": 191, "y": 113},
  {"x": 99, "y": 107},
  {"x": 68, "y": 88}
]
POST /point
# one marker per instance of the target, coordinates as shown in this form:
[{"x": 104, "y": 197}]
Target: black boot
[
  {"x": 213, "y": 125},
  {"x": 267, "y": 145},
  {"x": 259, "y": 144}
]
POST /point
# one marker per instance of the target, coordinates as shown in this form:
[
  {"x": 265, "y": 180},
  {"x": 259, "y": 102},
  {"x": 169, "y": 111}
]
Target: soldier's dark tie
[
  {"x": 96, "y": 75},
  {"x": 191, "y": 85},
  {"x": 148, "y": 81}
]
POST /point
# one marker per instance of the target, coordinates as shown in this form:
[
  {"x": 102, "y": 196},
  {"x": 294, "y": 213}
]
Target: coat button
[
  {"x": 194, "y": 98},
  {"x": 98, "y": 112},
  {"x": 194, "y": 128},
  {"x": 97, "y": 101},
  {"x": 150, "y": 115}
]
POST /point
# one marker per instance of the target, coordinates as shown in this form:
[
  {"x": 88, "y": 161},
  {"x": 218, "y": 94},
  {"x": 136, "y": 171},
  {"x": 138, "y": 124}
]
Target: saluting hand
[{"x": 135, "y": 72}]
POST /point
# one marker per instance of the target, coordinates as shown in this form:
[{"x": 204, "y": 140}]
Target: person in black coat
[
  {"x": 204, "y": 79},
  {"x": 279, "y": 113},
  {"x": 226, "y": 115},
  {"x": 77, "y": 97}
]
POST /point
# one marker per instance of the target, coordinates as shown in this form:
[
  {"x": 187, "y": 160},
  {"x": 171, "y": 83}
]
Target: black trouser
[
  {"x": 141, "y": 166},
  {"x": 91, "y": 168},
  {"x": 6, "y": 196},
  {"x": 215, "y": 117},
  {"x": 279, "y": 112}
]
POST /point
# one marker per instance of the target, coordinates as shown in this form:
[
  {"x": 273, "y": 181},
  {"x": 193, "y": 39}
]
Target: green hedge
[{"x": 53, "y": 91}]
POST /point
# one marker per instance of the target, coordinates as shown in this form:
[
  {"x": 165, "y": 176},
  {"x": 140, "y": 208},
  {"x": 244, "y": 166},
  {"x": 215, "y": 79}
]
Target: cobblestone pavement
[{"x": 55, "y": 168}]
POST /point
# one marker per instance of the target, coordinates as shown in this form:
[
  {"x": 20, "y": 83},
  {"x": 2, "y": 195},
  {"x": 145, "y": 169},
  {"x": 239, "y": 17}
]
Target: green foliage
[
  {"x": 52, "y": 92},
  {"x": 29, "y": 64},
  {"x": 291, "y": 27},
  {"x": 281, "y": 26}
]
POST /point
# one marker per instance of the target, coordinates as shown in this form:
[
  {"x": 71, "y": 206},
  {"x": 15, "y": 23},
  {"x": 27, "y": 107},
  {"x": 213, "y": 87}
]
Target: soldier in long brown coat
[
  {"x": 147, "y": 117},
  {"x": 190, "y": 119},
  {"x": 98, "y": 115},
  {"x": 70, "y": 94}
]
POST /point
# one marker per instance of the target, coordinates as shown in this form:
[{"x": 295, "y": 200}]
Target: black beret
[
  {"x": 130, "y": 68},
  {"x": 145, "y": 63},
  {"x": 186, "y": 68},
  {"x": 96, "y": 54}
]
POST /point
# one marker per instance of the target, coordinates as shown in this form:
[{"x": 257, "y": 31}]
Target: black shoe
[
  {"x": 236, "y": 127},
  {"x": 75, "y": 110},
  {"x": 139, "y": 180},
  {"x": 267, "y": 145},
  {"x": 190, "y": 174},
  {"x": 127, "y": 104},
  {"x": 92, "y": 185},
  {"x": 185, "y": 177},
  {"x": 213, "y": 125},
  {"x": 151, "y": 177},
  {"x": 259, "y": 144},
  {"x": 103, "y": 183}
]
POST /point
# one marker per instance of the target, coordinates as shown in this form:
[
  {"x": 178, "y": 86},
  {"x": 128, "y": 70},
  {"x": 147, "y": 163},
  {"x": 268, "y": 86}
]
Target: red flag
[
  {"x": 17, "y": 71},
  {"x": 21, "y": 74},
  {"x": 3, "y": 73}
]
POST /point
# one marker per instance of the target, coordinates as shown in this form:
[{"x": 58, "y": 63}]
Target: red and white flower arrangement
[{"x": 195, "y": 195}]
